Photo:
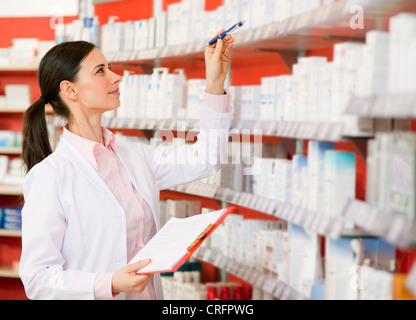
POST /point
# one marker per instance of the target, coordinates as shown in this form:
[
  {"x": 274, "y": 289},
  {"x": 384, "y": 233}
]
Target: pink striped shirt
[{"x": 139, "y": 218}]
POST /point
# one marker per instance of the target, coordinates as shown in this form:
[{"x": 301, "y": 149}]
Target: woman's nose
[{"x": 115, "y": 77}]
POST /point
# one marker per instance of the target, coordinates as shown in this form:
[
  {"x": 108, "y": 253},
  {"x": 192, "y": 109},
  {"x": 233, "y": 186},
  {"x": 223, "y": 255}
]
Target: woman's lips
[{"x": 115, "y": 92}]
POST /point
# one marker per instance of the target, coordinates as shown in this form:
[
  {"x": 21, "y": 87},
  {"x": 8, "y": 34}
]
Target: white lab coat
[{"x": 73, "y": 226}]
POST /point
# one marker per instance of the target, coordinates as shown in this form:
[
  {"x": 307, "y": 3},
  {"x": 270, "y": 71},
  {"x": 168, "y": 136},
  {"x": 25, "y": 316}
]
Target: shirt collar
[{"x": 86, "y": 147}]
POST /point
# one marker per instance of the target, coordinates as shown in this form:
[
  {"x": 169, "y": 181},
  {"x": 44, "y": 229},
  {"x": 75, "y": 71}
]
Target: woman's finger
[
  {"x": 228, "y": 49},
  {"x": 218, "y": 49},
  {"x": 216, "y": 35},
  {"x": 134, "y": 267}
]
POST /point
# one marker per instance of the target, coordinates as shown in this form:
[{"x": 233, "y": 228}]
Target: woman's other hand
[{"x": 127, "y": 280}]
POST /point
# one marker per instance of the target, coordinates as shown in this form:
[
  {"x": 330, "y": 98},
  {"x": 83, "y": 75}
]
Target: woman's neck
[{"x": 88, "y": 128}]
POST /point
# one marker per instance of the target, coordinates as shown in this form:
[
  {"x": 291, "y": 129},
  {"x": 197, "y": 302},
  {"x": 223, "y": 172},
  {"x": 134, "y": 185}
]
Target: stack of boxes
[
  {"x": 318, "y": 90},
  {"x": 178, "y": 209},
  {"x": 11, "y": 218},
  {"x": 188, "y": 22},
  {"x": 186, "y": 285},
  {"x": 373, "y": 74},
  {"x": 11, "y": 171},
  {"x": 345, "y": 275},
  {"x": 10, "y": 138},
  {"x": 401, "y": 53},
  {"x": 17, "y": 96},
  {"x": 316, "y": 174},
  {"x": 321, "y": 182},
  {"x": 339, "y": 186},
  {"x": 391, "y": 175},
  {"x": 161, "y": 95}
]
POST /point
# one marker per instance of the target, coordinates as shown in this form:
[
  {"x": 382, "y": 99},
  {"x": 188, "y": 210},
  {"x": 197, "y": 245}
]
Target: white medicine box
[{"x": 17, "y": 96}]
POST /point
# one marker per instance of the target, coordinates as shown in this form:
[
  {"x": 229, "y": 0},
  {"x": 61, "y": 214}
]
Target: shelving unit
[
  {"x": 17, "y": 68},
  {"x": 278, "y": 289},
  {"x": 13, "y": 110},
  {"x": 8, "y": 272},
  {"x": 393, "y": 227},
  {"x": 7, "y": 190},
  {"x": 314, "y": 221},
  {"x": 302, "y": 32},
  {"x": 10, "y": 150},
  {"x": 287, "y": 40},
  {"x": 10, "y": 233},
  {"x": 317, "y": 29},
  {"x": 399, "y": 106},
  {"x": 11, "y": 196}
]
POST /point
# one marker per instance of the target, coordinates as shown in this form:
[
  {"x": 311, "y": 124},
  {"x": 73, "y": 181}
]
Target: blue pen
[{"x": 222, "y": 35}]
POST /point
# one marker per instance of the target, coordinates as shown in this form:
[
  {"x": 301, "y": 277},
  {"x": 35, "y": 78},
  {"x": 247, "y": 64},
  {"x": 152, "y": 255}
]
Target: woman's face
[{"x": 96, "y": 85}]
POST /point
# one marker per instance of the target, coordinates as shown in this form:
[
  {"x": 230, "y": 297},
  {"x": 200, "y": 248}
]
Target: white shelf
[
  {"x": 6, "y": 190},
  {"x": 400, "y": 106},
  {"x": 11, "y": 150},
  {"x": 13, "y": 110},
  {"x": 269, "y": 284},
  {"x": 18, "y": 68},
  {"x": 8, "y": 272},
  {"x": 150, "y": 124},
  {"x": 104, "y": 1},
  {"x": 10, "y": 233},
  {"x": 395, "y": 228},
  {"x": 323, "y": 131},
  {"x": 319, "y": 28},
  {"x": 48, "y": 109},
  {"x": 332, "y": 227}
]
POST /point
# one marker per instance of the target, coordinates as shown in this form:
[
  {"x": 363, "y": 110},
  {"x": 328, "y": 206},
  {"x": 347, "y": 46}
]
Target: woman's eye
[{"x": 101, "y": 70}]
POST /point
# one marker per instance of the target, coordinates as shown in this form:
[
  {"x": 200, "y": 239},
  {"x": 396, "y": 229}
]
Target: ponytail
[{"x": 36, "y": 146}]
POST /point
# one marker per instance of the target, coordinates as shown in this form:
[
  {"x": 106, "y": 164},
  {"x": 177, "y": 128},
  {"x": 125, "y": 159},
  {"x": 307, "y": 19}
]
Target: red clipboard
[{"x": 196, "y": 243}]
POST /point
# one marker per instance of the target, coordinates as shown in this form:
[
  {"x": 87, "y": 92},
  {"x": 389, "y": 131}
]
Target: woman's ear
[{"x": 68, "y": 90}]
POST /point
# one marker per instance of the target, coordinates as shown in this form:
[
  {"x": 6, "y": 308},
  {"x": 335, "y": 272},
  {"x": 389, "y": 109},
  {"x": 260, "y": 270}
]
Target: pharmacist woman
[{"x": 93, "y": 203}]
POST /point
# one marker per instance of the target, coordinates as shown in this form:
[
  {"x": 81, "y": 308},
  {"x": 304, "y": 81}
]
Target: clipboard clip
[{"x": 201, "y": 237}]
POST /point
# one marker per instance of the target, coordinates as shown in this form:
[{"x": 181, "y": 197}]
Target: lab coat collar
[
  {"x": 88, "y": 147},
  {"x": 66, "y": 149}
]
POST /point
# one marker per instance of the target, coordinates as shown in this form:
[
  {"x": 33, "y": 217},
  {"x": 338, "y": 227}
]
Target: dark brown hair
[{"x": 60, "y": 63}]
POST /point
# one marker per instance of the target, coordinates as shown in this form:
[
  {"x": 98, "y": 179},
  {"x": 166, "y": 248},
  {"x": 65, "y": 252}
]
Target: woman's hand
[
  {"x": 126, "y": 279},
  {"x": 216, "y": 61}
]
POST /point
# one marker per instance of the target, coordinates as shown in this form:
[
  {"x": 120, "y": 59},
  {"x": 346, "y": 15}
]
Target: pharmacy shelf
[
  {"x": 6, "y": 190},
  {"x": 266, "y": 282},
  {"x": 150, "y": 124},
  {"x": 319, "y": 28},
  {"x": 322, "y": 131},
  {"x": 10, "y": 233},
  {"x": 332, "y": 227},
  {"x": 395, "y": 228},
  {"x": 48, "y": 110},
  {"x": 17, "y": 68},
  {"x": 11, "y": 150},
  {"x": 13, "y": 109},
  {"x": 104, "y": 1},
  {"x": 399, "y": 106},
  {"x": 8, "y": 272}
]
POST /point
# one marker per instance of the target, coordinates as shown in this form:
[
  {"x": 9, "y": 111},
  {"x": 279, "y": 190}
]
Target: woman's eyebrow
[{"x": 100, "y": 66}]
